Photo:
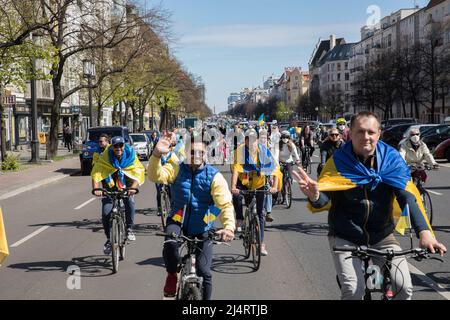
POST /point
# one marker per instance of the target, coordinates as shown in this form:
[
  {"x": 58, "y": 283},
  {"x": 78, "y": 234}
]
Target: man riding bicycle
[
  {"x": 198, "y": 188},
  {"x": 306, "y": 140},
  {"x": 118, "y": 168},
  {"x": 364, "y": 184},
  {"x": 251, "y": 164},
  {"x": 329, "y": 146},
  {"x": 103, "y": 143},
  {"x": 415, "y": 151},
  {"x": 341, "y": 124}
]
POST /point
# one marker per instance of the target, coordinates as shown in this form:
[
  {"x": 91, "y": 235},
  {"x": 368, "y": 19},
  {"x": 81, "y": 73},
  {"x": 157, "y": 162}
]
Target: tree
[
  {"x": 81, "y": 28},
  {"x": 333, "y": 103}
]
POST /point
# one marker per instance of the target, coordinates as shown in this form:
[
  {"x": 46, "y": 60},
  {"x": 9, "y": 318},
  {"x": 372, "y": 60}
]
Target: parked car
[
  {"x": 443, "y": 150},
  {"x": 141, "y": 145},
  {"x": 437, "y": 135},
  {"x": 396, "y": 121},
  {"x": 90, "y": 145},
  {"x": 393, "y": 135},
  {"x": 422, "y": 129}
]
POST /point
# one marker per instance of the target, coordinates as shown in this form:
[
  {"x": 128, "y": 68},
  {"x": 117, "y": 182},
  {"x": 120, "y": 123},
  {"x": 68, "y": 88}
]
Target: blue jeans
[
  {"x": 107, "y": 206},
  {"x": 268, "y": 203},
  {"x": 204, "y": 257}
]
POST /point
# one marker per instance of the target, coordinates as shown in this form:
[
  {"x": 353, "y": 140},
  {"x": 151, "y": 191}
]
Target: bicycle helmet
[
  {"x": 285, "y": 134},
  {"x": 341, "y": 121}
]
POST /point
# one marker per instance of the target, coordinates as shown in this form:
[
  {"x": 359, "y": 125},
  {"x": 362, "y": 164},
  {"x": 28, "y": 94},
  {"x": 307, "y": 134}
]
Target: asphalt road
[{"x": 65, "y": 237}]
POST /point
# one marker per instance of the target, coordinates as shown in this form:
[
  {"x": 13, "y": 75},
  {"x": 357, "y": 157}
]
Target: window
[
  {"x": 338, "y": 77},
  {"x": 346, "y": 66},
  {"x": 338, "y": 67},
  {"x": 347, "y": 76},
  {"x": 347, "y": 87}
]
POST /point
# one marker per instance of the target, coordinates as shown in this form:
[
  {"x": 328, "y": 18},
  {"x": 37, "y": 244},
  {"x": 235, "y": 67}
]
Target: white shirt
[{"x": 287, "y": 156}]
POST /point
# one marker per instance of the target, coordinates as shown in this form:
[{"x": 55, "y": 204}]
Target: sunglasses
[
  {"x": 334, "y": 134},
  {"x": 414, "y": 134},
  {"x": 119, "y": 145}
]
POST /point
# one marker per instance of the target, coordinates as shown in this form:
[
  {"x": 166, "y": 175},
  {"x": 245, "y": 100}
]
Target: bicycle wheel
[
  {"x": 115, "y": 242},
  {"x": 426, "y": 199},
  {"x": 192, "y": 292},
  {"x": 256, "y": 243},
  {"x": 165, "y": 210},
  {"x": 246, "y": 236},
  {"x": 288, "y": 193}
]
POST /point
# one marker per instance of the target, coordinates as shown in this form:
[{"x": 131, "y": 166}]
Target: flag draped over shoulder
[
  {"x": 344, "y": 172},
  {"x": 4, "y": 251},
  {"x": 108, "y": 164}
]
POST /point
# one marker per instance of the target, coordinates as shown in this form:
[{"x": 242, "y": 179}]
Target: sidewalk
[
  {"x": 25, "y": 152},
  {"x": 36, "y": 175}
]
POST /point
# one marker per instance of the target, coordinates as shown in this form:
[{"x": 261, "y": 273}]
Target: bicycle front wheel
[
  {"x": 246, "y": 235},
  {"x": 288, "y": 195},
  {"x": 426, "y": 200},
  {"x": 115, "y": 244},
  {"x": 256, "y": 243},
  {"x": 192, "y": 292},
  {"x": 165, "y": 211}
]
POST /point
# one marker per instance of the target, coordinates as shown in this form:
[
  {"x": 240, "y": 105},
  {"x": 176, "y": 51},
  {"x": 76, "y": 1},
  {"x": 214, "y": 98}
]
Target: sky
[{"x": 235, "y": 44}]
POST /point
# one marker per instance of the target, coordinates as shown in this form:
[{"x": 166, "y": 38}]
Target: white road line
[
  {"x": 429, "y": 282},
  {"x": 84, "y": 204},
  {"x": 315, "y": 156},
  {"x": 18, "y": 243},
  {"x": 436, "y": 193},
  {"x": 444, "y": 165}
]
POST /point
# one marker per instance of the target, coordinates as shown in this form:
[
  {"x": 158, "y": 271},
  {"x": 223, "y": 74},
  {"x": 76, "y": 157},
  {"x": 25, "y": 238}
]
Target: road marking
[
  {"x": 18, "y": 243},
  {"x": 315, "y": 156},
  {"x": 444, "y": 165},
  {"x": 429, "y": 282},
  {"x": 32, "y": 186},
  {"x": 84, "y": 204},
  {"x": 436, "y": 193}
]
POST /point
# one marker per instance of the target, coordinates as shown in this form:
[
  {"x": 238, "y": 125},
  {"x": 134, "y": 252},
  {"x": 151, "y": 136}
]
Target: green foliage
[{"x": 11, "y": 163}]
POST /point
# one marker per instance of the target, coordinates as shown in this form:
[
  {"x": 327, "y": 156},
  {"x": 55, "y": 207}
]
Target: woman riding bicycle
[{"x": 415, "y": 151}]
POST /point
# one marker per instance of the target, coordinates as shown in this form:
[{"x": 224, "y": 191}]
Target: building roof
[
  {"x": 324, "y": 46},
  {"x": 340, "y": 52},
  {"x": 434, "y": 3}
]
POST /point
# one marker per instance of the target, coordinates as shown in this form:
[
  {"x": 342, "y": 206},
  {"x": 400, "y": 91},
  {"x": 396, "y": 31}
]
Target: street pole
[
  {"x": 34, "y": 115},
  {"x": 90, "y": 101}
]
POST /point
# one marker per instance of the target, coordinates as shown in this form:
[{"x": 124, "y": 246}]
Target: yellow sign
[{"x": 42, "y": 138}]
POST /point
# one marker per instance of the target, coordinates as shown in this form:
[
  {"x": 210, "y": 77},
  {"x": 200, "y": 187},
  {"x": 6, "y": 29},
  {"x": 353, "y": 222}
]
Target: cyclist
[
  {"x": 118, "y": 168},
  {"x": 329, "y": 146},
  {"x": 198, "y": 186},
  {"x": 287, "y": 153},
  {"x": 169, "y": 157},
  {"x": 306, "y": 140},
  {"x": 415, "y": 151},
  {"x": 268, "y": 198},
  {"x": 322, "y": 134},
  {"x": 360, "y": 178},
  {"x": 153, "y": 140},
  {"x": 103, "y": 143},
  {"x": 341, "y": 124},
  {"x": 252, "y": 163}
]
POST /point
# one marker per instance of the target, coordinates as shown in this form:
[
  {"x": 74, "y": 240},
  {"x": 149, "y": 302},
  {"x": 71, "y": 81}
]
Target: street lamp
[{"x": 89, "y": 73}]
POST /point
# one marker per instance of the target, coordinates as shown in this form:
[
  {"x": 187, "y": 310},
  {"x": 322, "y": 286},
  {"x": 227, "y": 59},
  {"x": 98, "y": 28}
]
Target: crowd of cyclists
[{"x": 258, "y": 155}]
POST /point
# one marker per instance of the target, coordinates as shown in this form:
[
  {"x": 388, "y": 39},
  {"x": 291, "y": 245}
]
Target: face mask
[
  {"x": 341, "y": 127},
  {"x": 415, "y": 139},
  {"x": 285, "y": 140}
]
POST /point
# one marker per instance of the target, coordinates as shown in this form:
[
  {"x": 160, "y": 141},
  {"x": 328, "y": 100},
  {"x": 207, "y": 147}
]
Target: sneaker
[
  {"x": 269, "y": 218},
  {"x": 170, "y": 288},
  {"x": 107, "y": 248},
  {"x": 263, "y": 250},
  {"x": 159, "y": 213},
  {"x": 130, "y": 235}
]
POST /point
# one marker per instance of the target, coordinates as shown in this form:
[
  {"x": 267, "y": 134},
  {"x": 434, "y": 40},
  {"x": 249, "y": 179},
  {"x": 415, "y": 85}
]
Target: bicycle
[
  {"x": 419, "y": 176},
  {"x": 286, "y": 190},
  {"x": 251, "y": 231},
  {"x": 307, "y": 164},
  {"x": 366, "y": 254},
  {"x": 117, "y": 223},
  {"x": 190, "y": 285},
  {"x": 165, "y": 199}
]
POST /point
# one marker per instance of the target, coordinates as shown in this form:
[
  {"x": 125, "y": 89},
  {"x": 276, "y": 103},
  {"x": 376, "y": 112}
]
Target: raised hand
[
  {"x": 163, "y": 146},
  {"x": 308, "y": 186}
]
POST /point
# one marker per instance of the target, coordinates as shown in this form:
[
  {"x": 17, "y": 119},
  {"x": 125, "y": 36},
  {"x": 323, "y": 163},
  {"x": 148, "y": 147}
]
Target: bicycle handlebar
[
  {"x": 361, "y": 251},
  {"x": 123, "y": 192},
  {"x": 182, "y": 238},
  {"x": 427, "y": 167}
]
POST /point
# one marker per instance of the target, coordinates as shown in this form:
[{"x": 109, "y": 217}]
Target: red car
[{"x": 443, "y": 150}]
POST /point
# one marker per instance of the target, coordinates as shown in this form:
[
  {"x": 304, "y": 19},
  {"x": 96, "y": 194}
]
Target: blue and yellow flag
[
  {"x": 261, "y": 120},
  {"x": 211, "y": 215},
  {"x": 4, "y": 251},
  {"x": 403, "y": 221},
  {"x": 344, "y": 172},
  {"x": 108, "y": 164}
]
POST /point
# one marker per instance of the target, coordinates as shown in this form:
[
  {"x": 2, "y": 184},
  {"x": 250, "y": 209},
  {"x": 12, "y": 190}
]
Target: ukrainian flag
[
  {"x": 211, "y": 215},
  {"x": 4, "y": 251},
  {"x": 403, "y": 221},
  {"x": 344, "y": 172},
  {"x": 261, "y": 120},
  {"x": 129, "y": 166}
]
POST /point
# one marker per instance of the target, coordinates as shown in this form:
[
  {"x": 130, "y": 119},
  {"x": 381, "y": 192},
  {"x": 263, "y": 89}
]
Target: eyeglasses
[
  {"x": 119, "y": 145},
  {"x": 414, "y": 134},
  {"x": 334, "y": 134}
]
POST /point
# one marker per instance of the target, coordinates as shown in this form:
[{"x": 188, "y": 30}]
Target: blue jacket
[{"x": 193, "y": 190}]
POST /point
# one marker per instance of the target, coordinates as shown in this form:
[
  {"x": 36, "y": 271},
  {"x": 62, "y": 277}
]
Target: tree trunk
[
  {"x": 99, "y": 113},
  {"x": 2, "y": 127}
]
